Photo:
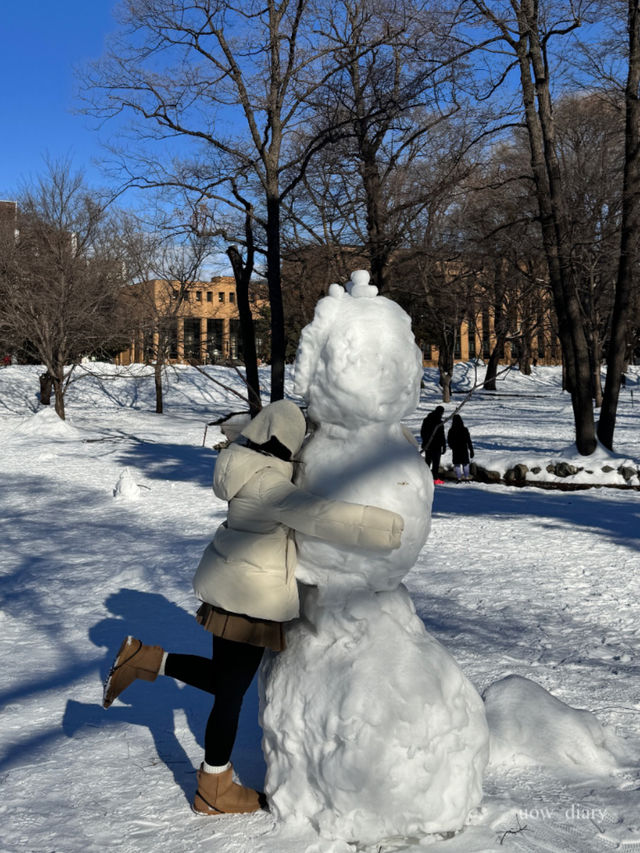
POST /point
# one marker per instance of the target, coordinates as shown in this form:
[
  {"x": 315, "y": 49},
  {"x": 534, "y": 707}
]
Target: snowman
[{"x": 371, "y": 730}]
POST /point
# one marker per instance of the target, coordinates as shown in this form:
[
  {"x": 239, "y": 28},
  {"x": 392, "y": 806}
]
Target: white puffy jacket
[{"x": 249, "y": 567}]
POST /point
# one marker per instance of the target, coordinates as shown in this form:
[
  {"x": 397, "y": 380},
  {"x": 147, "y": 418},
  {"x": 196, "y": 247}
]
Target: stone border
[{"x": 517, "y": 476}]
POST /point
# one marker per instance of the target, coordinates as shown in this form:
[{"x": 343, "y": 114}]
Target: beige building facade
[
  {"x": 204, "y": 326},
  {"x": 477, "y": 339}
]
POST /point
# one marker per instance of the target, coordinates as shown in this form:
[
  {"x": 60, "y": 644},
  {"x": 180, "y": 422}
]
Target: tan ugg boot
[
  {"x": 218, "y": 794},
  {"x": 134, "y": 660}
]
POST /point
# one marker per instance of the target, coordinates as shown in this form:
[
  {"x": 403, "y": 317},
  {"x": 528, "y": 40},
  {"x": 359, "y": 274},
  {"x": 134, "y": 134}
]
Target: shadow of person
[
  {"x": 156, "y": 713},
  {"x": 165, "y": 461},
  {"x": 156, "y": 620}
]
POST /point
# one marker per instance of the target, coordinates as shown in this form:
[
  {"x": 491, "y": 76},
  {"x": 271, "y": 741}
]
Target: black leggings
[
  {"x": 432, "y": 458},
  {"x": 227, "y": 674}
]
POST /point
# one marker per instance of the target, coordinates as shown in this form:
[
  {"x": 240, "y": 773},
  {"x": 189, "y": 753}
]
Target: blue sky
[{"x": 40, "y": 42}]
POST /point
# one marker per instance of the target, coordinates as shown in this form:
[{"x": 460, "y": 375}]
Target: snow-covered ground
[{"x": 540, "y": 584}]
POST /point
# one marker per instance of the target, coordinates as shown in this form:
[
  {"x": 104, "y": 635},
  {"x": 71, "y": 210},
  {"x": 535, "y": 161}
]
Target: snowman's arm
[
  {"x": 340, "y": 522},
  {"x": 409, "y": 436}
]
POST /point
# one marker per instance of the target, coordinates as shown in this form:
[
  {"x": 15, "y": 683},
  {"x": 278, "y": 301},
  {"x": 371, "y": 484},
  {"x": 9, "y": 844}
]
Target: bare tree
[
  {"x": 234, "y": 80},
  {"x": 447, "y": 303},
  {"x": 527, "y": 28},
  {"x": 436, "y": 290},
  {"x": 590, "y": 135},
  {"x": 629, "y": 235},
  {"x": 497, "y": 225},
  {"x": 60, "y": 278},
  {"x": 391, "y": 99},
  {"x": 164, "y": 258},
  {"x": 243, "y": 268}
]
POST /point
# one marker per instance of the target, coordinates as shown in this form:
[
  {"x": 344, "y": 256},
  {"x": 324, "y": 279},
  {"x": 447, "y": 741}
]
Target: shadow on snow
[
  {"x": 177, "y": 462},
  {"x": 616, "y": 518}
]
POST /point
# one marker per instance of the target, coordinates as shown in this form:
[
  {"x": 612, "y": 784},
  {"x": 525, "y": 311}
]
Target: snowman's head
[{"x": 357, "y": 361}]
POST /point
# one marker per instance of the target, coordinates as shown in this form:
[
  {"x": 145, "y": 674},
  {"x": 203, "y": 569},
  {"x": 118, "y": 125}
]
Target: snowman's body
[{"x": 371, "y": 729}]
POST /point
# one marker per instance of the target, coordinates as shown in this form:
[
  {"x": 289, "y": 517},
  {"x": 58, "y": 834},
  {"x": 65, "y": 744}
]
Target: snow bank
[
  {"x": 45, "y": 424},
  {"x": 529, "y": 726},
  {"x": 81, "y": 571}
]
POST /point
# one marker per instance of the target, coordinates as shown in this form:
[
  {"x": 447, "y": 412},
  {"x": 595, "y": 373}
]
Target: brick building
[{"x": 205, "y": 327}]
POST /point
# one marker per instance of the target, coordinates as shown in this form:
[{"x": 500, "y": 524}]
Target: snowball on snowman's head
[{"x": 357, "y": 361}]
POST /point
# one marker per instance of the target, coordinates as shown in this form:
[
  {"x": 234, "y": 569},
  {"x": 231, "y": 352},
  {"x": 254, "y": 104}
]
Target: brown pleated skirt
[{"x": 240, "y": 628}]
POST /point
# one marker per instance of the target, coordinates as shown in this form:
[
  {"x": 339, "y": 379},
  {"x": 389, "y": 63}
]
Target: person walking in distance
[
  {"x": 433, "y": 441},
  {"x": 459, "y": 441},
  {"x": 246, "y": 583}
]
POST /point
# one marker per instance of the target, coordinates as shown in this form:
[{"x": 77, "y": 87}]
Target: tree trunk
[
  {"x": 581, "y": 396},
  {"x": 500, "y": 326},
  {"x": 616, "y": 358},
  {"x": 376, "y": 249},
  {"x": 46, "y": 385},
  {"x": 242, "y": 273},
  {"x": 445, "y": 382},
  {"x": 596, "y": 360},
  {"x": 58, "y": 391},
  {"x": 553, "y": 221},
  {"x": 492, "y": 369},
  {"x": 445, "y": 366},
  {"x": 278, "y": 339},
  {"x": 597, "y": 388},
  {"x": 157, "y": 377},
  {"x": 524, "y": 360}
]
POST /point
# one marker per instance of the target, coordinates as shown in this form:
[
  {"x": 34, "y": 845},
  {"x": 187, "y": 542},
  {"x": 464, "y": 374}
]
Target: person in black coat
[
  {"x": 433, "y": 441},
  {"x": 459, "y": 441}
]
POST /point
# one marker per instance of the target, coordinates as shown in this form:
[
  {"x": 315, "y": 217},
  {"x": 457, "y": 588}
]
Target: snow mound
[
  {"x": 529, "y": 726},
  {"x": 371, "y": 730},
  {"x": 126, "y": 488},
  {"x": 46, "y": 424}
]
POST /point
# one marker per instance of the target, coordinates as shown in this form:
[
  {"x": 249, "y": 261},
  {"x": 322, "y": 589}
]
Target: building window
[
  {"x": 198, "y": 296},
  {"x": 215, "y": 332},
  {"x": 191, "y": 339},
  {"x": 232, "y": 297},
  {"x": 235, "y": 340},
  {"x": 209, "y": 296},
  {"x": 169, "y": 335},
  {"x": 472, "y": 342},
  {"x": 220, "y": 296},
  {"x": 486, "y": 335}
]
